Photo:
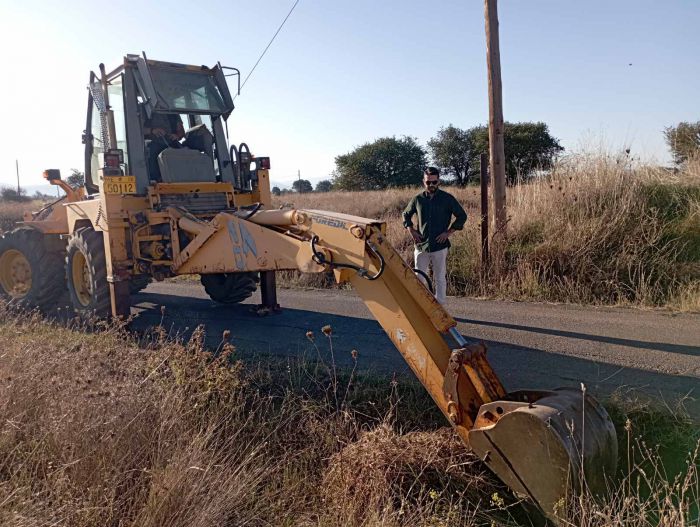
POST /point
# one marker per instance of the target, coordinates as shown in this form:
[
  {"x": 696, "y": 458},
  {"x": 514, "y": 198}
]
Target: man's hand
[
  {"x": 417, "y": 238},
  {"x": 157, "y": 132},
  {"x": 442, "y": 237}
]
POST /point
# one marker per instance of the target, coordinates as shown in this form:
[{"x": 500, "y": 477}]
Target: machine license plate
[{"x": 119, "y": 184}]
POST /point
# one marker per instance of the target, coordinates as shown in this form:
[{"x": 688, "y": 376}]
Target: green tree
[
  {"x": 386, "y": 162},
  {"x": 683, "y": 140},
  {"x": 302, "y": 186},
  {"x": 76, "y": 178},
  {"x": 276, "y": 191},
  {"x": 452, "y": 149},
  {"x": 324, "y": 185},
  {"x": 528, "y": 146}
]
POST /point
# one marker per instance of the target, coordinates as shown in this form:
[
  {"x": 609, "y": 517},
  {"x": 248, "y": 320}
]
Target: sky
[{"x": 342, "y": 73}]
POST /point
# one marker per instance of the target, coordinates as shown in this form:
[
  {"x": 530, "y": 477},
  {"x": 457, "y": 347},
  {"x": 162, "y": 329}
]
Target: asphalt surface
[{"x": 543, "y": 346}]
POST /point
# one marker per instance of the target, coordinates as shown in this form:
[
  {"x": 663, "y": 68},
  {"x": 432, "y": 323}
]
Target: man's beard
[{"x": 432, "y": 189}]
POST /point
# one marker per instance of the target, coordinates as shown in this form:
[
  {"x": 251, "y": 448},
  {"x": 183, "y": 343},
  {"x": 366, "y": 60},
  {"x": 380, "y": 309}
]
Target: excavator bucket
[{"x": 547, "y": 446}]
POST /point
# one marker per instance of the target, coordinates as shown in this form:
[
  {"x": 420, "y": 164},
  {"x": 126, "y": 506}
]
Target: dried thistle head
[
  {"x": 226, "y": 335},
  {"x": 327, "y": 331},
  {"x": 353, "y": 354},
  {"x": 310, "y": 335},
  {"x": 162, "y": 310}
]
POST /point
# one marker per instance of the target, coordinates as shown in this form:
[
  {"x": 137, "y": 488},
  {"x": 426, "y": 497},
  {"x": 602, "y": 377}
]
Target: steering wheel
[{"x": 171, "y": 143}]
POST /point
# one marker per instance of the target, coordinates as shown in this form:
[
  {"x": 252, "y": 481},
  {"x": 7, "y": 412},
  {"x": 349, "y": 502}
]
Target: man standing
[{"x": 435, "y": 209}]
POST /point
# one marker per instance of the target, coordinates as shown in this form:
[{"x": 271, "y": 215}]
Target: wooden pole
[
  {"x": 498, "y": 166},
  {"x": 484, "y": 213},
  {"x": 17, "y": 169}
]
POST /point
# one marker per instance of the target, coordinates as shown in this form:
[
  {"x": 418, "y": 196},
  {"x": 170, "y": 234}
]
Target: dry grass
[
  {"x": 596, "y": 230},
  {"x": 99, "y": 427},
  {"x": 419, "y": 478},
  {"x": 12, "y": 211}
]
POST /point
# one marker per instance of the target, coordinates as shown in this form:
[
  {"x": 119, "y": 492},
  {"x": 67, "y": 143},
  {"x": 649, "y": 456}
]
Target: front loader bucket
[{"x": 537, "y": 442}]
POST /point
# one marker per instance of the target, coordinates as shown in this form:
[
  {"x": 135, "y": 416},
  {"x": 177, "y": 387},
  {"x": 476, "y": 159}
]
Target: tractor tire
[
  {"x": 229, "y": 288},
  {"x": 86, "y": 274},
  {"x": 138, "y": 283},
  {"x": 31, "y": 270}
]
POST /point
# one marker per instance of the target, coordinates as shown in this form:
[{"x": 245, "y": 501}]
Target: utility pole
[
  {"x": 299, "y": 179},
  {"x": 17, "y": 170},
  {"x": 498, "y": 165}
]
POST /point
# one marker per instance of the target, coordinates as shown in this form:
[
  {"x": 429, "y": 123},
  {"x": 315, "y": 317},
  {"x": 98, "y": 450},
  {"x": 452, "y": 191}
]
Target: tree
[
  {"x": 11, "y": 194},
  {"x": 683, "y": 140},
  {"x": 386, "y": 162},
  {"x": 276, "y": 191},
  {"x": 324, "y": 185},
  {"x": 76, "y": 178},
  {"x": 452, "y": 149},
  {"x": 528, "y": 146},
  {"x": 302, "y": 186}
]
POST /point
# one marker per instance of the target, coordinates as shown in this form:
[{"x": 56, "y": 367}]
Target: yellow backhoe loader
[{"x": 165, "y": 195}]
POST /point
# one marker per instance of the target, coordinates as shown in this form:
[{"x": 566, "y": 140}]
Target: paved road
[{"x": 530, "y": 345}]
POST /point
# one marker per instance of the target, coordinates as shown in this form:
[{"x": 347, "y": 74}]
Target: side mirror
[{"x": 52, "y": 174}]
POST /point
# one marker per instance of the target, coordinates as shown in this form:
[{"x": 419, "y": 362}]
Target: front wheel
[
  {"x": 86, "y": 273},
  {"x": 229, "y": 288}
]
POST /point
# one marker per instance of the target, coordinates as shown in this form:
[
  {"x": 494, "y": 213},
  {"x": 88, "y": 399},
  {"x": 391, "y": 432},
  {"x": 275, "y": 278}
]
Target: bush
[{"x": 11, "y": 194}]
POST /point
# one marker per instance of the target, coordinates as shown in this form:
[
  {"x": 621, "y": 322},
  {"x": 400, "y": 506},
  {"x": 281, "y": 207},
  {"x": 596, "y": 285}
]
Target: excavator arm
[{"x": 543, "y": 444}]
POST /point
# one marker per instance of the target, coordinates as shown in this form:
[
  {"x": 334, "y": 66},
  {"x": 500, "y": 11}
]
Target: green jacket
[{"x": 434, "y": 216}]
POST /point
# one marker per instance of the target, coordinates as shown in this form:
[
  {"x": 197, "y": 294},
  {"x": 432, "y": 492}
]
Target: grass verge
[{"x": 102, "y": 427}]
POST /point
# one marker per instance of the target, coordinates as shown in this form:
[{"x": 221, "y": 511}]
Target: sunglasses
[{"x": 431, "y": 183}]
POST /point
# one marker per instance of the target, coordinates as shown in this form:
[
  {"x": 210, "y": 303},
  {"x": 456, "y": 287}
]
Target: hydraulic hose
[
  {"x": 321, "y": 259},
  {"x": 428, "y": 281}
]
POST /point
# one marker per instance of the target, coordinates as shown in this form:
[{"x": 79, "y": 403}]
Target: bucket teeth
[{"x": 537, "y": 443}]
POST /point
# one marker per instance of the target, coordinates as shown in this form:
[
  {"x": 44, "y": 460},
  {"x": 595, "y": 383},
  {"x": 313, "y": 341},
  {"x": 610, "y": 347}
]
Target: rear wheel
[
  {"x": 86, "y": 272},
  {"x": 31, "y": 271},
  {"x": 229, "y": 288}
]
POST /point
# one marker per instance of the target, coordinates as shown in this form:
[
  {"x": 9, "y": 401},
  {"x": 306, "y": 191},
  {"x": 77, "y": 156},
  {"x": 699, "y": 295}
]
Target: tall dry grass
[
  {"x": 12, "y": 211},
  {"x": 598, "y": 229},
  {"x": 99, "y": 427}
]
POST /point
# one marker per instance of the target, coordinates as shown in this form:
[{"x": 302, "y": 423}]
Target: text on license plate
[{"x": 119, "y": 184}]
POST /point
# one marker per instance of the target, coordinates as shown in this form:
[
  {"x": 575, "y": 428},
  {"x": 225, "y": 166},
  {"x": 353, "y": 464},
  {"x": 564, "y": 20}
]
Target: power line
[{"x": 269, "y": 44}]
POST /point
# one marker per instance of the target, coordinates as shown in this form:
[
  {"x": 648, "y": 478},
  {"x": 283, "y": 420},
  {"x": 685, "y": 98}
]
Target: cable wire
[{"x": 269, "y": 44}]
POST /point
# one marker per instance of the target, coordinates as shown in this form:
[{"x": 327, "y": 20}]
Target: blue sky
[{"x": 345, "y": 72}]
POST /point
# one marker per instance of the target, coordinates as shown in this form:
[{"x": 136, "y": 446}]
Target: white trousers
[{"x": 438, "y": 261}]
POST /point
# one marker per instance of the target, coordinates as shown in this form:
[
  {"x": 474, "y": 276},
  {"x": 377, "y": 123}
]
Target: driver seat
[{"x": 184, "y": 165}]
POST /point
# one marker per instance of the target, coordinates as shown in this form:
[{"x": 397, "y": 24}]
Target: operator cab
[{"x": 166, "y": 124}]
